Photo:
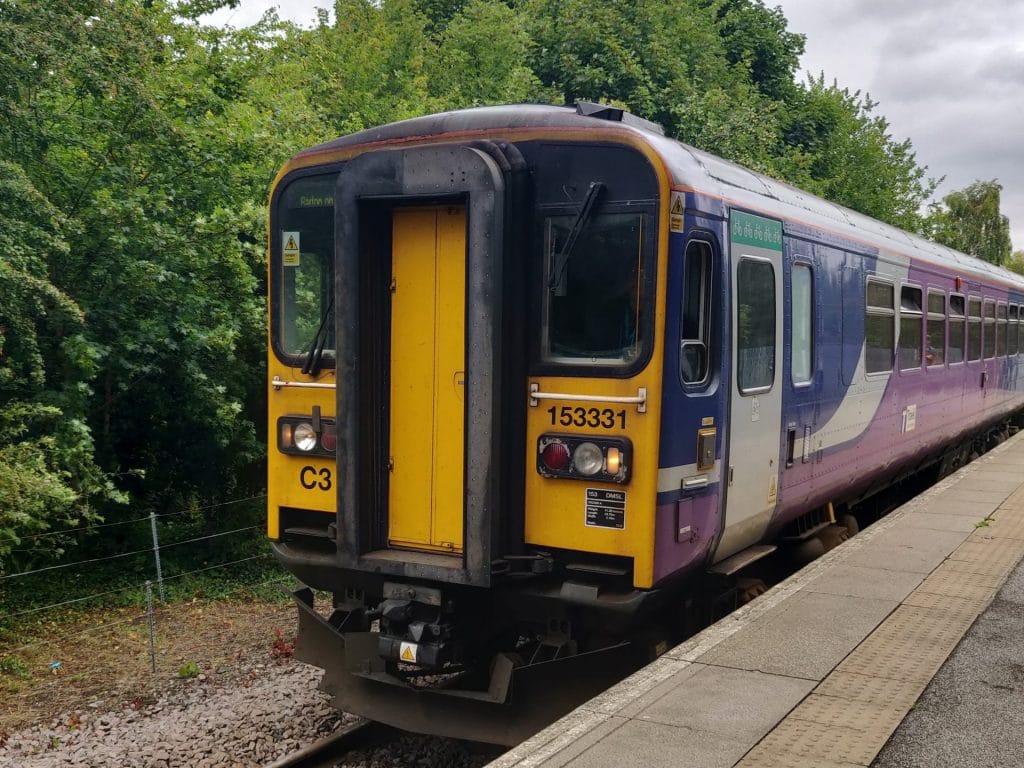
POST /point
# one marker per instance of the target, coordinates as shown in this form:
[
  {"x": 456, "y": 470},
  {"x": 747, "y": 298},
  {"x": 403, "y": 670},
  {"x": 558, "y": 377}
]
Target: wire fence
[
  {"x": 159, "y": 638},
  {"x": 30, "y": 632}
]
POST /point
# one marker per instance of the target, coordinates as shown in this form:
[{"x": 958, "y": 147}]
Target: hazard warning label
[
  {"x": 408, "y": 652},
  {"x": 675, "y": 213},
  {"x": 290, "y": 249}
]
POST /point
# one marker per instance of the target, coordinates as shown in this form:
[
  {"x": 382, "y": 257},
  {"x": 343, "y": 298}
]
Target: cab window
[
  {"x": 592, "y": 308},
  {"x": 303, "y": 246}
]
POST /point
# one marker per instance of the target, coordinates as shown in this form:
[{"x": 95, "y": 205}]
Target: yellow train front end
[{"x": 466, "y": 332}]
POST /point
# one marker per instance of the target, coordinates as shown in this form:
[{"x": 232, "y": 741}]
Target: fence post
[
  {"x": 156, "y": 555},
  {"x": 149, "y": 615}
]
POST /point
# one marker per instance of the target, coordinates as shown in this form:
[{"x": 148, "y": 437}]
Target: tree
[
  {"x": 970, "y": 220},
  {"x": 482, "y": 58},
  {"x": 837, "y": 147},
  {"x": 757, "y": 38},
  {"x": 1016, "y": 262}
]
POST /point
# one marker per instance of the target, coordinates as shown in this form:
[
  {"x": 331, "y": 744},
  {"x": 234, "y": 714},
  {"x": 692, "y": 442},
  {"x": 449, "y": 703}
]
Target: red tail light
[{"x": 555, "y": 457}]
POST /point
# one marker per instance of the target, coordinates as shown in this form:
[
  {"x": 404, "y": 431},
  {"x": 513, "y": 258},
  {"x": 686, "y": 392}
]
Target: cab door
[
  {"x": 755, "y": 420},
  {"x": 427, "y": 388}
]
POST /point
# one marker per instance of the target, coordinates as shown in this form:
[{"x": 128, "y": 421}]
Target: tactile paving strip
[
  {"x": 851, "y": 714},
  {"x": 1007, "y": 526}
]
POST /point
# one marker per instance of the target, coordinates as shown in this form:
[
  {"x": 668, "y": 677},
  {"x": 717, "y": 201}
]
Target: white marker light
[
  {"x": 588, "y": 459},
  {"x": 305, "y": 437}
]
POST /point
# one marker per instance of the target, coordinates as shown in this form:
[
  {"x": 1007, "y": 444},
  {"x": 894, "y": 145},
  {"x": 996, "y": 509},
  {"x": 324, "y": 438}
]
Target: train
[{"x": 545, "y": 383}]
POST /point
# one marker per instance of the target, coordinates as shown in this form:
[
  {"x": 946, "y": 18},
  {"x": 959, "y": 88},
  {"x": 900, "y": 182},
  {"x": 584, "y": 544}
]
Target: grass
[{"x": 104, "y": 653}]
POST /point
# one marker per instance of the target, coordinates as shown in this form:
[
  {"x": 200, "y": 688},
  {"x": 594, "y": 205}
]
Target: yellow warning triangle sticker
[
  {"x": 291, "y": 246},
  {"x": 677, "y": 205},
  {"x": 408, "y": 654}
]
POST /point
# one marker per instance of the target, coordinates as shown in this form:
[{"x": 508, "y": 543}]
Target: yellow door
[{"x": 428, "y": 308}]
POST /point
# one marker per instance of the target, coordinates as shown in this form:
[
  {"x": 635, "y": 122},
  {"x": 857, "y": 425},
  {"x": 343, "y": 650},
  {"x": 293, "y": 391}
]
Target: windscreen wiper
[
  {"x": 316, "y": 347},
  {"x": 557, "y": 282}
]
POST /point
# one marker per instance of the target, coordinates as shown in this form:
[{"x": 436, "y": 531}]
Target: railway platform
[{"x": 874, "y": 654}]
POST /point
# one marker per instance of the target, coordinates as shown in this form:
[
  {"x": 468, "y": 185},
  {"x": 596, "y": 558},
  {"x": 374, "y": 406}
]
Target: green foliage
[
  {"x": 188, "y": 670},
  {"x": 12, "y": 665},
  {"x": 1016, "y": 262},
  {"x": 481, "y": 58},
  {"x": 757, "y": 38},
  {"x": 970, "y": 220},
  {"x": 839, "y": 149}
]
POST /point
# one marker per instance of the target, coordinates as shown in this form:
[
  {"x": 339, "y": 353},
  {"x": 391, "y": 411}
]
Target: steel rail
[{"x": 330, "y": 749}]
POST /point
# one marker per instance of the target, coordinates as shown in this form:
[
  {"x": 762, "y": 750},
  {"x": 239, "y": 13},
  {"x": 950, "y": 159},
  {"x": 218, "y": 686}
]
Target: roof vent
[{"x": 616, "y": 115}]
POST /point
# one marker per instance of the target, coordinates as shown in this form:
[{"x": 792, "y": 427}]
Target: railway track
[
  {"x": 327, "y": 752},
  {"x": 371, "y": 743}
]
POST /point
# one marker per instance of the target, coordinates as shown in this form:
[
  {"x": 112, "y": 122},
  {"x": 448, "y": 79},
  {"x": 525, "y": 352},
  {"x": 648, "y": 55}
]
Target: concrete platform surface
[{"x": 821, "y": 670}]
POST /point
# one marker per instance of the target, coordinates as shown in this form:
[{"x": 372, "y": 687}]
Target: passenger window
[
  {"x": 755, "y": 327},
  {"x": 935, "y": 336},
  {"x": 1012, "y": 345},
  {"x": 973, "y": 328},
  {"x": 957, "y": 321},
  {"x": 879, "y": 334},
  {"x": 990, "y": 329},
  {"x": 1002, "y": 325},
  {"x": 696, "y": 314},
  {"x": 910, "y": 328},
  {"x": 803, "y": 324}
]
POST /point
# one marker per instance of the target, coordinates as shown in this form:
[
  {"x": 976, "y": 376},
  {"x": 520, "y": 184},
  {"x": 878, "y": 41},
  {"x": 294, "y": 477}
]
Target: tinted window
[
  {"x": 957, "y": 322},
  {"x": 592, "y": 307},
  {"x": 879, "y": 333},
  {"x": 803, "y": 323},
  {"x": 1002, "y": 323},
  {"x": 910, "y": 327},
  {"x": 304, "y": 242},
  {"x": 935, "y": 334},
  {"x": 755, "y": 327},
  {"x": 990, "y": 329},
  {"x": 696, "y": 314},
  {"x": 973, "y": 329}
]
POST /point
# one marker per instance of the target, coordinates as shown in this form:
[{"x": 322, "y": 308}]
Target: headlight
[
  {"x": 588, "y": 459},
  {"x": 304, "y": 437}
]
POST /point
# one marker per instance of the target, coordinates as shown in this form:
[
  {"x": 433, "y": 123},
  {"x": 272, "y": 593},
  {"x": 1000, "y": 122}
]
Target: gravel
[
  {"x": 262, "y": 715},
  {"x": 271, "y": 711}
]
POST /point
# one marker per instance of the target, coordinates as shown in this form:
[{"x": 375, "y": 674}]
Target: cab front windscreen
[{"x": 302, "y": 268}]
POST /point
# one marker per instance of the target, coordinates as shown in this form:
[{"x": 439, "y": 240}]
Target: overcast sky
[{"x": 946, "y": 74}]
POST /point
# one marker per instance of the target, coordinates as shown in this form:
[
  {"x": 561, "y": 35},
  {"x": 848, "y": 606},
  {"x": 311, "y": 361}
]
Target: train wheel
[{"x": 749, "y": 589}]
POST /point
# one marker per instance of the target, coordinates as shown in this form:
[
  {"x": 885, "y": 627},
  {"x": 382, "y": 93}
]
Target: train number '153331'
[{"x": 569, "y": 416}]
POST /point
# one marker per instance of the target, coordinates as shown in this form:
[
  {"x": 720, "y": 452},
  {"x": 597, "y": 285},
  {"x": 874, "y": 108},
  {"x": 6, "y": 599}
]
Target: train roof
[{"x": 690, "y": 167}]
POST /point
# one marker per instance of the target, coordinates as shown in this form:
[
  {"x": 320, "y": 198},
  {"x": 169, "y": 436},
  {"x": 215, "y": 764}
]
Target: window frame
[
  {"x": 763, "y": 389},
  {"x": 879, "y": 311},
  {"x": 932, "y": 316},
  {"x": 812, "y": 336},
  {"x": 706, "y": 310},
  {"x": 276, "y": 281},
  {"x": 974, "y": 319},
  {"x": 1002, "y": 328},
  {"x": 961, "y": 319},
  {"x": 1013, "y": 324},
  {"x": 919, "y": 314},
  {"x": 987, "y": 321},
  {"x": 540, "y": 365}
]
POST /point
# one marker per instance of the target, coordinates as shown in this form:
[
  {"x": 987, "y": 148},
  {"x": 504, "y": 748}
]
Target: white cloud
[{"x": 948, "y": 76}]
